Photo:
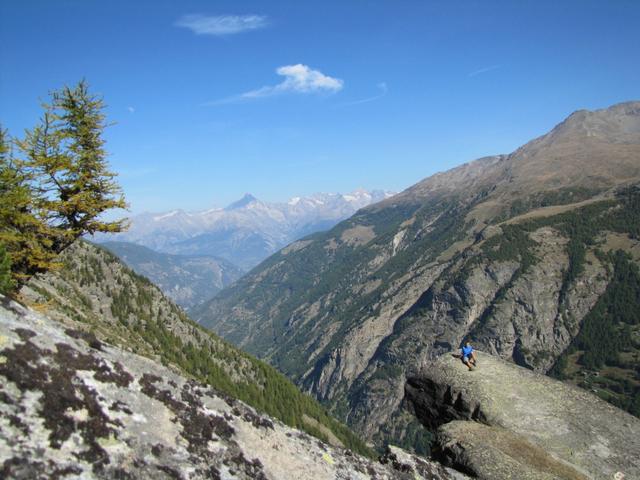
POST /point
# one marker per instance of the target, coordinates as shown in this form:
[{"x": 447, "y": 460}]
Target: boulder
[
  {"x": 498, "y": 454},
  {"x": 507, "y": 420}
]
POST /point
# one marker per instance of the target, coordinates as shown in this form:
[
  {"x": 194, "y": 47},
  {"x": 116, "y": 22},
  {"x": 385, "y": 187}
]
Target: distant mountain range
[
  {"x": 187, "y": 279},
  {"x": 248, "y": 230}
]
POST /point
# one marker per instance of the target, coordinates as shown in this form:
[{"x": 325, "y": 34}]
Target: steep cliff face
[
  {"x": 502, "y": 421},
  {"x": 510, "y": 251},
  {"x": 74, "y": 407}
]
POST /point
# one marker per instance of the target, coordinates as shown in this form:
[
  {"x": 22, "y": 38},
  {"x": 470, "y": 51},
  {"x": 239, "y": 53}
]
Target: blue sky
[{"x": 212, "y": 99}]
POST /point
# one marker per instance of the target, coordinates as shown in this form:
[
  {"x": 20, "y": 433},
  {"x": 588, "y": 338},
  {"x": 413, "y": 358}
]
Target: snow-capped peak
[
  {"x": 243, "y": 202},
  {"x": 247, "y": 225},
  {"x": 173, "y": 213}
]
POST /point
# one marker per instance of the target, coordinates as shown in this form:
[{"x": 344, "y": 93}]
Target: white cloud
[
  {"x": 222, "y": 24},
  {"x": 298, "y": 79},
  {"x": 484, "y": 70}
]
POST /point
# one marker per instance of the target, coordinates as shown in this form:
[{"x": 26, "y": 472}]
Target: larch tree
[
  {"x": 6, "y": 280},
  {"x": 24, "y": 233},
  {"x": 61, "y": 185},
  {"x": 66, "y": 156}
]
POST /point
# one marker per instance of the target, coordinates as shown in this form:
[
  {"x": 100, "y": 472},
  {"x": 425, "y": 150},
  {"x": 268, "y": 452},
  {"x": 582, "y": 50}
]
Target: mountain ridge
[
  {"x": 188, "y": 280},
  {"x": 246, "y": 231},
  {"x": 349, "y": 313},
  {"x": 243, "y": 202}
]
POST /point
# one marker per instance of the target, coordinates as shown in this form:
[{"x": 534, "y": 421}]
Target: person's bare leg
[
  {"x": 474, "y": 358},
  {"x": 467, "y": 363}
]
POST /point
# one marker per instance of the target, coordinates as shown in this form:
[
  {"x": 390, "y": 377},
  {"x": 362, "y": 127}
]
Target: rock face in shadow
[
  {"x": 505, "y": 421},
  {"x": 73, "y": 406}
]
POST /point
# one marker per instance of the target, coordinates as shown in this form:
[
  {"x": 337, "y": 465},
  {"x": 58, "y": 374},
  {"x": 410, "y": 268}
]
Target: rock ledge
[{"x": 509, "y": 422}]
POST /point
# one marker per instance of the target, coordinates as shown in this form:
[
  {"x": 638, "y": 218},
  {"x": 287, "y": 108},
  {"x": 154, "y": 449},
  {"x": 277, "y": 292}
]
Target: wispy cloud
[
  {"x": 298, "y": 78},
  {"x": 222, "y": 24},
  {"x": 484, "y": 70},
  {"x": 382, "y": 87},
  {"x": 131, "y": 109}
]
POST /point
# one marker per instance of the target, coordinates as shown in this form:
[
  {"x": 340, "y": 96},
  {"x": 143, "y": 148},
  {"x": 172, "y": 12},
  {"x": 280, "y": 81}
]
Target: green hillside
[
  {"x": 94, "y": 293},
  {"x": 188, "y": 280},
  {"x": 604, "y": 357}
]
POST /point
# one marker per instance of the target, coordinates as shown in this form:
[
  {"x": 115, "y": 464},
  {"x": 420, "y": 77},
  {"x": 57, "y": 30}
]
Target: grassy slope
[{"x": 94, "y": 291}]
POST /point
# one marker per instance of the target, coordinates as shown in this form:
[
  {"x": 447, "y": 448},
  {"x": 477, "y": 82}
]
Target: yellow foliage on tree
[
  {"x": 60, "y": 185},
  {"x": 23, "y": 232}
]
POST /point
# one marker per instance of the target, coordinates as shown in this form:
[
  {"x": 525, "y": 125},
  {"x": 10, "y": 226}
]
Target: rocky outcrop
[
  {"x": 72, "y": 406},
  {"x": 502, "y": 421},
  {"x": 498, "y": 454}
]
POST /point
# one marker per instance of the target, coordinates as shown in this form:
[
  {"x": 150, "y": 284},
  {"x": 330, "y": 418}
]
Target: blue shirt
[{"x": 466, "y": 351}]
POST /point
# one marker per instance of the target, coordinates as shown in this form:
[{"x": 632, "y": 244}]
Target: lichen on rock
[{"x": 74, "y": 408}]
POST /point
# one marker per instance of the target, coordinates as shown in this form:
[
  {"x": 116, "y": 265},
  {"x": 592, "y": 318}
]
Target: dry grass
[
  {"x": 553, "y": 210},
  {"x": 621, "y": 241},
  {"x": 496, "y": 446},
  {"x": 312, "y": 422},
  {"x": 358, "y": 235},
  {"x": 526, "y": 453}
]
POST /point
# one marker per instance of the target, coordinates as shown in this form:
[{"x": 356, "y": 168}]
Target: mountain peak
[
  {"x": 246, "y": 231},
  {"x": 243, "y": 202},
  {"x": 614, "y": 122}
]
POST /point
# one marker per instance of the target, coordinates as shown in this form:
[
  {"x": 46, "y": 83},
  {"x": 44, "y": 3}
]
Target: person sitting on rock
[{"x": 469, "y": 357}]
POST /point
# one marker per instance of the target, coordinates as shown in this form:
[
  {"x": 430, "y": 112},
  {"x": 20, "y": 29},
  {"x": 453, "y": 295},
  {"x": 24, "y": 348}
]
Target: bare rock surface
[
  {"x": 498, "y": 454},
  {"x": 509, "y": 422},
  {"x": 72, "y": 406}
]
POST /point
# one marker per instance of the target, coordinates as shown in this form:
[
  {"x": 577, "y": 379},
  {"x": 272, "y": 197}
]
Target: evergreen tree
[
  {"x": 61, "y": 185},
  {"x": 65, "y": 155},
  {"x": 24, "y": 233},
  {"x": 6, "y": 282}
]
